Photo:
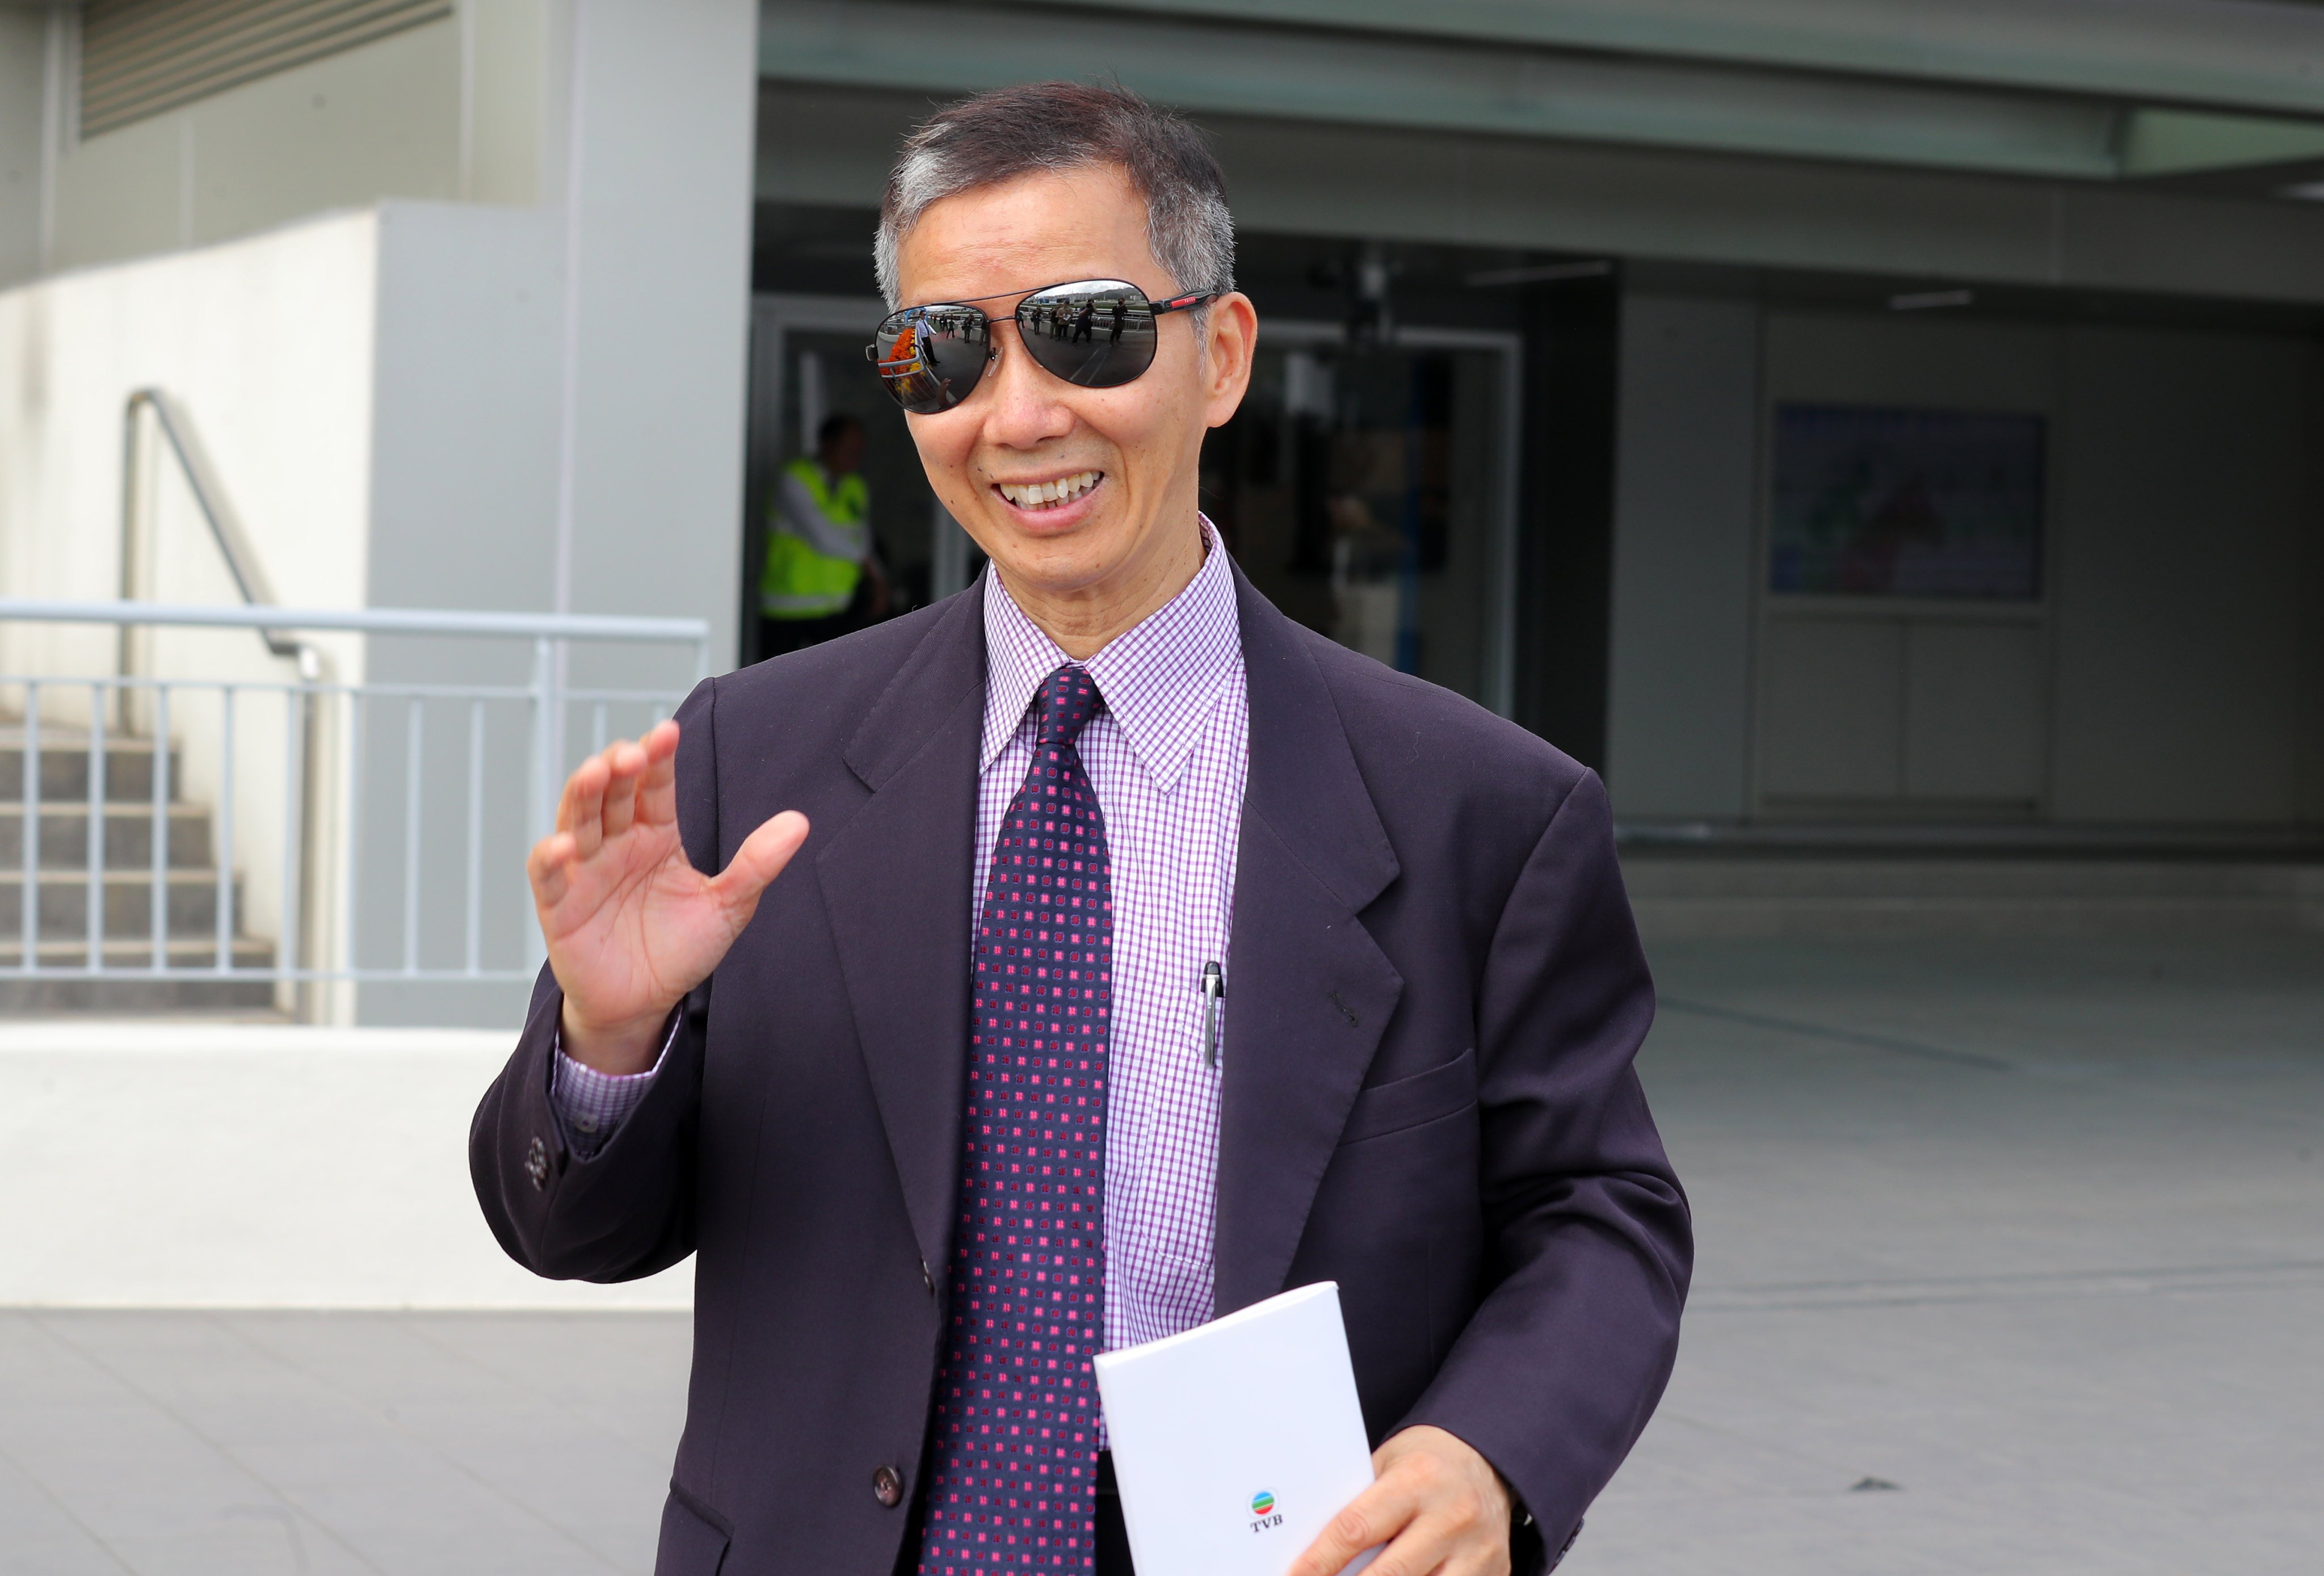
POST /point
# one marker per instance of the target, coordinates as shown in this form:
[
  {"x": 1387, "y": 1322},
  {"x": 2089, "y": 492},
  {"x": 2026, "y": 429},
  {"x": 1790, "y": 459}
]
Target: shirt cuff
[{"x": 592, "y": 1105}]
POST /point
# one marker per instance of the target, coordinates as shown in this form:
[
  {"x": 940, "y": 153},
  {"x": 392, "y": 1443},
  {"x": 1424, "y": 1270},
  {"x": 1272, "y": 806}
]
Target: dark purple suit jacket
[{"x": 1435, "y": 992}]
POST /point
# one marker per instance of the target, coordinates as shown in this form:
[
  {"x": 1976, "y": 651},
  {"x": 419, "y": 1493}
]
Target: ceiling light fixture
[
  {"x": 1931, "y": 299},
  {"x": 1539, "y": 273}
]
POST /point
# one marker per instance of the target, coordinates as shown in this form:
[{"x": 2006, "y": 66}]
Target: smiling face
[{"x": 1084, "y": 499}]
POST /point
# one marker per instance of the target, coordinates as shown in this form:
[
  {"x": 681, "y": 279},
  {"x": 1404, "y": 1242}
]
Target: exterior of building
[
  {"x": 1696, "y": 226},
  {"x": 1845, "y": 415}
]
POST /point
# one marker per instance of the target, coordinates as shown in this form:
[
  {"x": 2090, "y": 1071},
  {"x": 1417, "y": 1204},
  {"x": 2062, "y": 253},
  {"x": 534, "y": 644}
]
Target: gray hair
[{"x": 1057, "y": 127}]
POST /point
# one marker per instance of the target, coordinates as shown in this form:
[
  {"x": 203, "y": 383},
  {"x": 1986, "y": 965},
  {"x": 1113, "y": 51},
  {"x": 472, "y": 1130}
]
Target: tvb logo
[{"x": 1263, "y": 1514}]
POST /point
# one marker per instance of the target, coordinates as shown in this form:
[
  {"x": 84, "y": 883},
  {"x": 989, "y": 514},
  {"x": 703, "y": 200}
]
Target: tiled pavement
[
  {"x": 2012, "y": 1260},
  {"x": 2033, "y": 1231},
  {"x": 251, "y": 1443}
]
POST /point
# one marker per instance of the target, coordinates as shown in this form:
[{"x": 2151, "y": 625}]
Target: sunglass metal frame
[{"x": 896, "y": 372}]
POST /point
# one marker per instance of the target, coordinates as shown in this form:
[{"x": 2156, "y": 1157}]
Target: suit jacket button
[
  {"x": 536, "y": 1166},
  {"x": 888, "y": 1488}
]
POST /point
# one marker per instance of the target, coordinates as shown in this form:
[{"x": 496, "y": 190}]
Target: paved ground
[
  {"x": 253, "y": 1445},
  {"x": 2033, "y": 1232},
  {"x": 2013, "y": 1260}
]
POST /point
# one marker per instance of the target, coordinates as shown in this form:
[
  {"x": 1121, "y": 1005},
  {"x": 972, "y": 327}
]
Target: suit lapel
[
  {"x": 1308, "y": 991},
  {"x": 895, "y": 882}
]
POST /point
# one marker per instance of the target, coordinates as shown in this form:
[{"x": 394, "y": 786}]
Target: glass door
[
  {"x": 1369, "y": 492},
  {"x": 807, "y": 363}
]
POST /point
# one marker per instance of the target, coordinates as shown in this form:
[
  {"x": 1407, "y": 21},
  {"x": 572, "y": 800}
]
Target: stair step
[
  {"x": 189, "y": 903},
  {"x": 128, "y": 837},
  {"x": 62, "y": 895},
  {"x": 24, "y": 995},
  {"x": 108, "y": 998},
  {"x": 192, "y": 954},
  {"x": 65, "y": 760}
]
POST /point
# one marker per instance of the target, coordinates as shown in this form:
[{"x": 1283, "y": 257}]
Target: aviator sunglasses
[{"x": 1097, "y": 333}]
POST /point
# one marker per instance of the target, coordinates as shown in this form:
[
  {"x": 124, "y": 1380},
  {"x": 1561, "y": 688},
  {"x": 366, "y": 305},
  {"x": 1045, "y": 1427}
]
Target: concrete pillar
[{"x": 561, "y": 386}]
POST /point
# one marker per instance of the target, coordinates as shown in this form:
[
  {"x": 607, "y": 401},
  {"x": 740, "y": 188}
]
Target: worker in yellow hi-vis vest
[{"x": 819, "y": 544}]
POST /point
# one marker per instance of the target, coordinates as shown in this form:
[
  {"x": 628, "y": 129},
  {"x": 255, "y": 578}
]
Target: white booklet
[{"x": 1235, "y": 1441}]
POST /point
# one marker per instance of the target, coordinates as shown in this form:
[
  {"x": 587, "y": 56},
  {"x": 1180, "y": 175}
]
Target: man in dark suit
[{"x": 1151, "y": 955}]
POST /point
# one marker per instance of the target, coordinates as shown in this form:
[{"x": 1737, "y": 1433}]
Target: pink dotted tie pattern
[{"x": 1017, "y": 1409}]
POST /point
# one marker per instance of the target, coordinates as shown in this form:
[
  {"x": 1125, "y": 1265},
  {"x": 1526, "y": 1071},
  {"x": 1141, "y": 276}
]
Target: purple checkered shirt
[{"x": 1167, "y": 755}]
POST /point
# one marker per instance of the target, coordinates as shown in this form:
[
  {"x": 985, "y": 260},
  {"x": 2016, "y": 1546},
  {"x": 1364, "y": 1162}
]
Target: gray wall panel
[
  {"x": 1683, "y": 559},
  {"x": 2183, "y": 501},
  {"x": 23, "y": 50}
]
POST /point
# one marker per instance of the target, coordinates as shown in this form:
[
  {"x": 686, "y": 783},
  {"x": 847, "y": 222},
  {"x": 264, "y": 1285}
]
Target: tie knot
[{"x": 1067, "y": 699}]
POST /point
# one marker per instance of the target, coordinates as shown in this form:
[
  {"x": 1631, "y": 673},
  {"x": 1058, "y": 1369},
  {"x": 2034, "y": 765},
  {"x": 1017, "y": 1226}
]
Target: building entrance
[
  {"x": 1369, "y": 492},
  {"x": 807, "y": 363}
]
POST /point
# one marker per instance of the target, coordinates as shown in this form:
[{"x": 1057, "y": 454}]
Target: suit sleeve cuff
[{"x": 590, "y": 1105}]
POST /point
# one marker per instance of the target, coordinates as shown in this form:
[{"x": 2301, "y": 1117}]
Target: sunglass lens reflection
[
  {"x": 932, "y": 360},
  {"x": 1100, "y": 336}
]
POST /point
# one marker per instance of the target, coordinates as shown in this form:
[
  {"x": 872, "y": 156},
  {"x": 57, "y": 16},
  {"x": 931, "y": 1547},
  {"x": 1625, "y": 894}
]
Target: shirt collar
[{"x": 1158, "y": 680}]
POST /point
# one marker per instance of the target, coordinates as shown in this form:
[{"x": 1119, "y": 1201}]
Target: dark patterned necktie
[{"x": 1017, "y": 1408}]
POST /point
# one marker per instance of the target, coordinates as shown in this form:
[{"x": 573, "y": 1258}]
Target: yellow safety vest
[{"x": 798, "y": 580}]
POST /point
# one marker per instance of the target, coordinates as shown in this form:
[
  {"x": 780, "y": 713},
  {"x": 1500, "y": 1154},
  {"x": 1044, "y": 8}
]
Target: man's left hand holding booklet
[{"x": 1236, "y": 1441}]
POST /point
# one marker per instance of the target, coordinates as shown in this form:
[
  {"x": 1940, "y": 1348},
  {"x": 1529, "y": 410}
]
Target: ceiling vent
[{"x": 139, "y": 58}]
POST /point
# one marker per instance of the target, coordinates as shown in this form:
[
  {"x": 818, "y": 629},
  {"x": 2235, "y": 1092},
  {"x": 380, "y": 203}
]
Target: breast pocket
[{"x": 1415, "y": 1101}]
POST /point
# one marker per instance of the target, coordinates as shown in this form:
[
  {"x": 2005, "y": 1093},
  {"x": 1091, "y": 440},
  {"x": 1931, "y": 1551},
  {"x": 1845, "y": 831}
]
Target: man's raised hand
[{"x": 631, "y": 925}]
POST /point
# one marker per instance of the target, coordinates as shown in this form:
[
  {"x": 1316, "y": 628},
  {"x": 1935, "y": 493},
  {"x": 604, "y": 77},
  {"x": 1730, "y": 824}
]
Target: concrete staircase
[
  {"x": 61, "y": 885},
  {"x": 1961, "y": 882}
]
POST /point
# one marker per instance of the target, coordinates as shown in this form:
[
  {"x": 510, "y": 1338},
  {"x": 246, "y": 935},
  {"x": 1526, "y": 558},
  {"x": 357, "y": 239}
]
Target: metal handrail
[
  {"x": 300, "y": 963},
  {"x": 375, "y": 620},
  {"x": 241, "y": 563},
  {"x": 225, "y": 529},
  {"x": 547, "y": 632}
]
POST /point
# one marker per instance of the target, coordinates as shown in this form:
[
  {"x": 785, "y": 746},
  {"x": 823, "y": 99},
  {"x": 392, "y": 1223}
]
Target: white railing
[{"x": 390, "y": 812}]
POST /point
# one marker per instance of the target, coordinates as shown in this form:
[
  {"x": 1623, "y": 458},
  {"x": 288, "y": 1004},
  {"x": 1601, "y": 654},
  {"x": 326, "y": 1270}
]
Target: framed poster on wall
[{"x": 1873, "y": 501}]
